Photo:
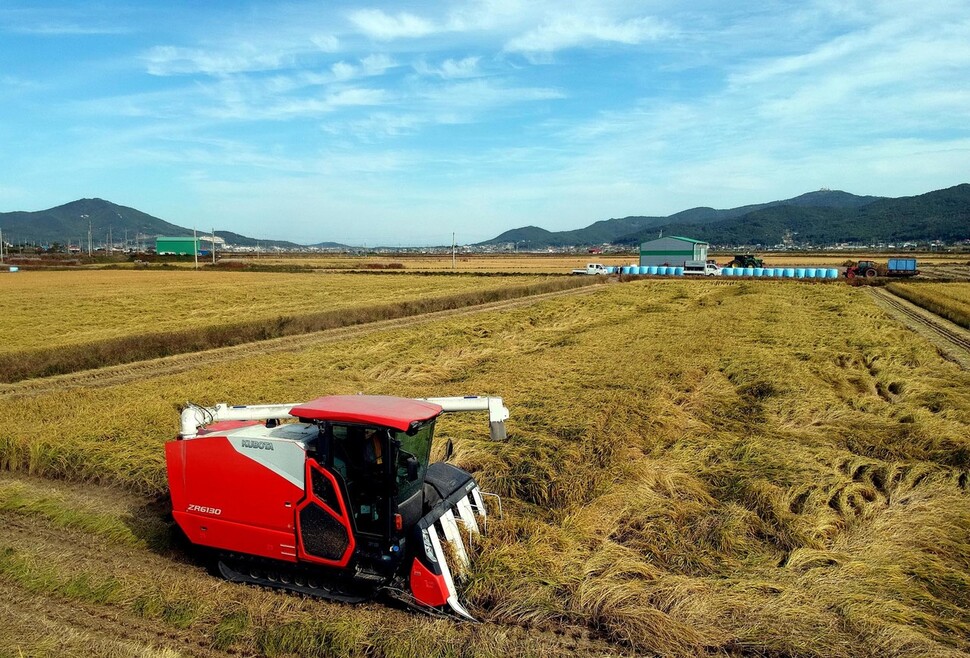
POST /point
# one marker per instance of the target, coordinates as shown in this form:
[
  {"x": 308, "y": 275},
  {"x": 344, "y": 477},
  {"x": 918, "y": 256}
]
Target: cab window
[{"x": 418, "y": 448}]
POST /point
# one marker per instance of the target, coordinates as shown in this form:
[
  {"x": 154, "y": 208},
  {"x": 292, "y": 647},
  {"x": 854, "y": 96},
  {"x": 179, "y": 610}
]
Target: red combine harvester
[{"x": 341, "y": 504}]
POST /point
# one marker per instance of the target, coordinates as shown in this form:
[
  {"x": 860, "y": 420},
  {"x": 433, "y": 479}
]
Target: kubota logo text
[
  {"x": 259, "y": 445},
  {"x": 215, "y": 511}
]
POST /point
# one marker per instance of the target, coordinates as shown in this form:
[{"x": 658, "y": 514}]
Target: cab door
[
  {"x": 324, "y": 530},
  {"x": 360, "y": 458}
]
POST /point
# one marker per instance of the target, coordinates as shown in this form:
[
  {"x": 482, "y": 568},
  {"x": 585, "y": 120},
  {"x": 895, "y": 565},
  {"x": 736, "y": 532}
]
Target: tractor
[
  {"x": 863, "y": 268},
  {"x": 338, "y": 501},
  {"x": 897, "y": 267},
  {"x": 746, "y": 260}
]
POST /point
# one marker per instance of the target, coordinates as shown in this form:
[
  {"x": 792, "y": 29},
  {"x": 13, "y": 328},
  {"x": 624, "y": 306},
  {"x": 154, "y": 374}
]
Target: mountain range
[
  {"x": 817, "y": 218},
  {"x": 824, "y": 217}
]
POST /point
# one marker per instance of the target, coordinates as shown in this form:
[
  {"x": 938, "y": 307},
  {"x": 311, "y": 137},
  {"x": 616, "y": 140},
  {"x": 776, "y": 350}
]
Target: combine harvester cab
[{"x": 342, "y": 504}]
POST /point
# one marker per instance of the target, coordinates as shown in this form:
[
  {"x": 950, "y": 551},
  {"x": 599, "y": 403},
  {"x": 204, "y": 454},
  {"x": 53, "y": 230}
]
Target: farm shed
[
  {"x": 186, "y": 246},
  {"x": 672, "y": 250}
]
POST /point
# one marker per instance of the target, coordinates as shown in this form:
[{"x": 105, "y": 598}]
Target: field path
[
  {"x": 98, "y": 629},
  {"x": 41, "y": 614},
  {"x": 75, "y": 626},
  {"x": 952, "y": 339},
  {"x": 120, "y": 374}
]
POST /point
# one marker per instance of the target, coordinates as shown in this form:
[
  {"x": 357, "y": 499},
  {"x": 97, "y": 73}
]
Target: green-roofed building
[
  {"x": 673, "y": 250},
  {"x": 187, "y": 246}
]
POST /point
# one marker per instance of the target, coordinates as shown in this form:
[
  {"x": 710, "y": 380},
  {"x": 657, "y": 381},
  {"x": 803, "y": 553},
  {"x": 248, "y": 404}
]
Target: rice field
[
  {"x": 714, "y": 468},
  {"x": 949, "y": 300},
  {"x": 51, "y": 309}
]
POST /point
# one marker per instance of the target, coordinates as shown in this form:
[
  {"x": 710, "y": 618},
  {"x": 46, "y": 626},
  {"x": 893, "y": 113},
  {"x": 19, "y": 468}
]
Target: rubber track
[
  {"x": 273, "y": 574},
  {"x": 951, "y": 334},
  {"x": 170, "y": 365}
]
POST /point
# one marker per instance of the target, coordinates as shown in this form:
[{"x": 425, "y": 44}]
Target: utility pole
[
  {"x": 195, "y": 247},
  {"x": 213, "y": 245},
  {"x": 454, "y": 266},
  {"x": 1, "y": 245}
]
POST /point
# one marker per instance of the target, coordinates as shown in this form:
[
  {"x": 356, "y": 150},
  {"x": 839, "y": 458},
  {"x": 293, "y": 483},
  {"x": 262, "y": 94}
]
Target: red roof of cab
[{"x": 385, "y": 410}]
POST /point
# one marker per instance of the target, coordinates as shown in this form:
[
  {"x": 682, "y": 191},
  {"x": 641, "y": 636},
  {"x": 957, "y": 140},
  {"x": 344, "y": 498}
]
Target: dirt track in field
[
  {"x": 82, "y": 629},
  {"x": 38, "y": 619},
  {"x": 951, "y": 339},
  {"x": 75, "y": 627},
  {"x": 946, "y": 271},
  {"x": 120, "y": 374}
]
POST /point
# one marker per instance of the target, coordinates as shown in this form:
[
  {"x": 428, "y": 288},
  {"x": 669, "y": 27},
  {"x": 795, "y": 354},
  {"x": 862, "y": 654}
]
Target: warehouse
[
  {"x": 672, "y": 250},
  {"x": 185, "y": 246}
]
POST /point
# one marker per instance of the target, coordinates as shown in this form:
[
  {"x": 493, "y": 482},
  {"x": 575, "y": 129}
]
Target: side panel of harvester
[{"x": 237, "y": 493}]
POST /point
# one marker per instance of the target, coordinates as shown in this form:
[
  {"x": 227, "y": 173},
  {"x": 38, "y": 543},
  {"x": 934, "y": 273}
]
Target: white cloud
[
  {"x": 249, "y": 109},
  {"x": 343, "y": 71},
  {"x": 379, "y": 25},
  {"x": 376, "y": 64},
  {"x": 577, "y": 30},
  {"x": 378, "y": 126},
  {"x": 465, "y": 101},
  {"x": 174, "y": 60},
  {"x": 359, "y": 96},
  {"x": 891, "y": 77},
  {"x": 372, "y": 65},
  {"x": 325, "y": 42},
  {"x": 466, "y": 67}
]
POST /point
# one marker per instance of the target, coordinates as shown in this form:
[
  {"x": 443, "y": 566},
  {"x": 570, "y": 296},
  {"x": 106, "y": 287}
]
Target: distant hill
[
  {"x": 69, "y": 224},
  {"x": 940, "y": 215},
  {"x": 822, "y": 217},
  {"x": 819, "y": 199}
]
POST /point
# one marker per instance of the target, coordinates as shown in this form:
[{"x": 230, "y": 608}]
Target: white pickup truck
[
  {"x": 592, "y": 268},
  {"x": 701, "y": 268}
]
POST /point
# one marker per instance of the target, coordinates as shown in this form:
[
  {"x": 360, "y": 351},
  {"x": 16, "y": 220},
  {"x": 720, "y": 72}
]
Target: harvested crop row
[{"x": 948, "y": 300}]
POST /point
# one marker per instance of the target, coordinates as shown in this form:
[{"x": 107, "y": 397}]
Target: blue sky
[{"x": 400, "y": 123}]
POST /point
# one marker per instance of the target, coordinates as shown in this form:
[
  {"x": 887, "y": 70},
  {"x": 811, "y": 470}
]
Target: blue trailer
[{"x": 902, "y": 267}]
